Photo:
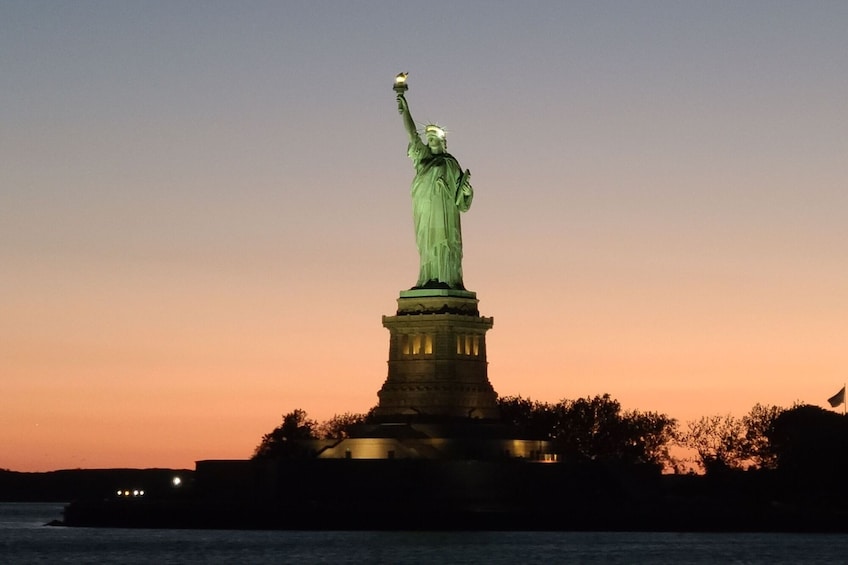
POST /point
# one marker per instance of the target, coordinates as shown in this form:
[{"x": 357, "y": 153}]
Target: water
[{"x": 24, "y": 539}]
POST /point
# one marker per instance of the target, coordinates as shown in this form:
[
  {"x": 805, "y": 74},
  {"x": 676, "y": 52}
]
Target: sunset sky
[{"x": 204, "y": 209}]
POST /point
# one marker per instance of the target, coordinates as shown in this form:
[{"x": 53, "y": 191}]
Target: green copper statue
[{"x": 440, "y": 191}]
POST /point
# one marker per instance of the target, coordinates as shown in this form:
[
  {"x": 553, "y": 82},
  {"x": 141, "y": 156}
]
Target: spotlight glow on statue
[{"x": 440, "y": 191}]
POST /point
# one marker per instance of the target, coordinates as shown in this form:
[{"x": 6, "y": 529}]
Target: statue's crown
[{"x": 434, "y": 129}]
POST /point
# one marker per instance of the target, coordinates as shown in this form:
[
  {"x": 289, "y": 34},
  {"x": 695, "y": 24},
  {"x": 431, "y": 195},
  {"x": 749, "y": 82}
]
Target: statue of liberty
[{"x": 440, "y": 191}]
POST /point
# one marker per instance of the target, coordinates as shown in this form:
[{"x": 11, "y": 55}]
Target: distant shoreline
[{"x": 334, "y": 497}]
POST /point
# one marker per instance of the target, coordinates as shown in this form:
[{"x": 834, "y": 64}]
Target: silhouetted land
[
  {"x": 87, "y": 484},
  {"x": 434, "y": 495},
  {"x": 802, "y": 455}
]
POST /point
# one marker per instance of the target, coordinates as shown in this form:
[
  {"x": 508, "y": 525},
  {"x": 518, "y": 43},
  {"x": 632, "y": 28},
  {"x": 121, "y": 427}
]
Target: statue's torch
[
  {"x": 400, "y": 83},
  {"x": 400, "y": 87}
]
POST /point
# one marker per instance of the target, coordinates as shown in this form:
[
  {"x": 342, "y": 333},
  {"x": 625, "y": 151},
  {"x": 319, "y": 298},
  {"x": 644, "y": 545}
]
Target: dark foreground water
[{"x": 25, "y": 539}]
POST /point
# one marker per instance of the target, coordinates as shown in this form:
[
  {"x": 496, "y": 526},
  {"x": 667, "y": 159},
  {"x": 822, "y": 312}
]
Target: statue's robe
[{"x": 440, "y": 192}]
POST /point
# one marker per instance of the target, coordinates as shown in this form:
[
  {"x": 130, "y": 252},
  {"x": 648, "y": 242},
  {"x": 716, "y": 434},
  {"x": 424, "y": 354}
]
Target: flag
[{"x": 837, "y": 398}]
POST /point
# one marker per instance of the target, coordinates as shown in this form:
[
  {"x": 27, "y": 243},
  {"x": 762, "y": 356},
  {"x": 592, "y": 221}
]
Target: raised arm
[{"x": 408, "y": 123}]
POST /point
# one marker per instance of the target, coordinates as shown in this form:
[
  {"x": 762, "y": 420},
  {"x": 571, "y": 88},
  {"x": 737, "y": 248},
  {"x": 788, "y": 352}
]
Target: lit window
[{"x": 416, "y": 344}]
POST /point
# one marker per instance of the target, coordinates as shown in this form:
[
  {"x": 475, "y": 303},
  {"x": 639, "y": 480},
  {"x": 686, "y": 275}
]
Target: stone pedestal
[{"x": 437, "y": 358}]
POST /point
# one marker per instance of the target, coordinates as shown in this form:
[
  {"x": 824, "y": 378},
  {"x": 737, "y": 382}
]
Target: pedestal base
[{"x": 437, "y": 358}]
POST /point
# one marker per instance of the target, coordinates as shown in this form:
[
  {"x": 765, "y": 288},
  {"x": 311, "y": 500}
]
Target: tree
[
  {"x": 531, "y": 419},
  {"x": 340, "y": 425},
  {"x": 726, "y": 442},
  {"x": 811, "y": 444},
  {"x": 283, "y": 440},
  {"x": 596, "y": 429},
  {"x": 759, "y": 423},
  {"x": 720, "y": 442},
  {"x": 593, "y": 429},
  {"x": 587, "y": 429},
  {"x": 648, "y": 436}
]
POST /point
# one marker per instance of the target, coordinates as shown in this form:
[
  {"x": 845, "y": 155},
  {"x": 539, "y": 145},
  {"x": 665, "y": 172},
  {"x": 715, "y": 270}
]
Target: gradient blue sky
[{"x": 204, "y": 209}]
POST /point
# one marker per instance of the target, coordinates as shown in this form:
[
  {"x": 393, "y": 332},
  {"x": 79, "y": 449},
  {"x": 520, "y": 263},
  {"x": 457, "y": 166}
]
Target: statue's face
[{"x": 436, "y": 143}]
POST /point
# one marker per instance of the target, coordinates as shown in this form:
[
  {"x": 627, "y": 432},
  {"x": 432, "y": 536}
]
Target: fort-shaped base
[{"x": 437, "y": 358}]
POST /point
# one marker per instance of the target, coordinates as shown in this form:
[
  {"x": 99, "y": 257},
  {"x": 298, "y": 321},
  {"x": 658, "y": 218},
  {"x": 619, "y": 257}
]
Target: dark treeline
[
  {"x": 593, "y": 429},
  {"x": 803, "y": 441},
  {"x": 773, "y": 469}
]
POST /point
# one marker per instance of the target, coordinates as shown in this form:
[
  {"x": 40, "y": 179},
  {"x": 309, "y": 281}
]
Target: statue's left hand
[{"x": 465, "y": 187}]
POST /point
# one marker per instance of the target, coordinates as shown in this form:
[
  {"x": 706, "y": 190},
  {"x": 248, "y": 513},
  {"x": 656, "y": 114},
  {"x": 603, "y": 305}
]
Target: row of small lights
[
  {"x": 176, "y": 481},
  {"x": 135, "y": 492}
]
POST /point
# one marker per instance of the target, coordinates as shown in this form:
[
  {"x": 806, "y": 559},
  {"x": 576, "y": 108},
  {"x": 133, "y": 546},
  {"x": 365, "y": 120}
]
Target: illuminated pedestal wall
[
  {"x": 437, "y": 358},
  {"x": 437, "y": 401}
]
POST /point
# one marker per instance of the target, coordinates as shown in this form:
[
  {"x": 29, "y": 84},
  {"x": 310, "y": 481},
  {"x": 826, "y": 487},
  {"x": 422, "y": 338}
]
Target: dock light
[{"x": 176, "y": 481}]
